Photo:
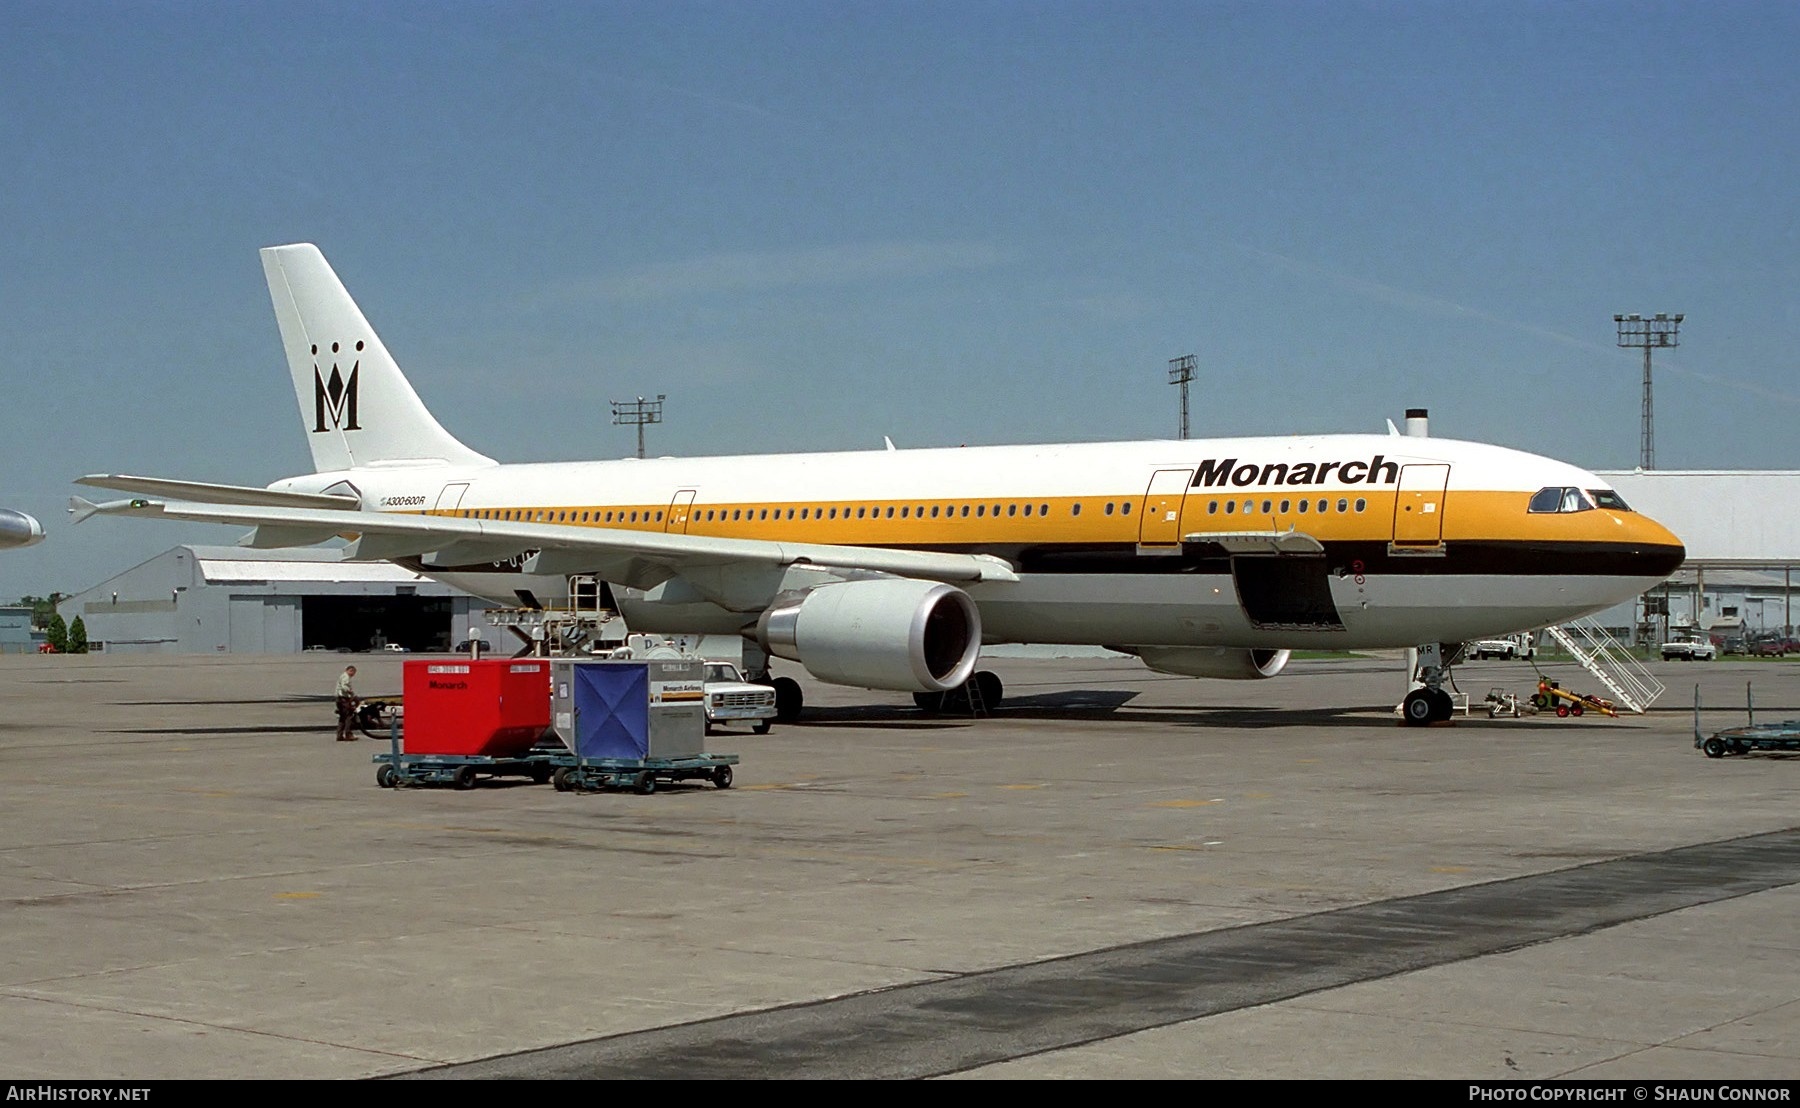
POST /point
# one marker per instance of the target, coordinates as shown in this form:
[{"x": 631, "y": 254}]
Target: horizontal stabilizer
[
  {"x": 204, "y": 493},
  {"x": 81, "y": 508}
]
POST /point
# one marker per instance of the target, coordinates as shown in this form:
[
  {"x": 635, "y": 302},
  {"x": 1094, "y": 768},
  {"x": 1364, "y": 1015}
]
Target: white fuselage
[{"x": 1417, "y": 539}]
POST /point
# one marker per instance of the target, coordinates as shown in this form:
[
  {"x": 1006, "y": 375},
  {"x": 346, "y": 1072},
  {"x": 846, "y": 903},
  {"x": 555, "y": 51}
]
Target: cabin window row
[
  {"x": 533, "y": 515},
  {"x": 1269, "y": 507},
  {"x": 710, "y": 515}
]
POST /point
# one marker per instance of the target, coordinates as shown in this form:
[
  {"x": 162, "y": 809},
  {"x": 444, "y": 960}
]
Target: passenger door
[
  {"x": 1419, "y": 507},
  {"x": 1159, "y": 524},
  {"x": 679, "y": 510},
  {"x": 450, "y": 498}
]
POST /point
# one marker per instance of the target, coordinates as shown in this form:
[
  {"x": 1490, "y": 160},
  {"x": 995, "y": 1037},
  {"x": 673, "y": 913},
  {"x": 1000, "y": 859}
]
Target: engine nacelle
[
  {"x": 901, "y": 634},
  {"x": 1231, "y": 663}
]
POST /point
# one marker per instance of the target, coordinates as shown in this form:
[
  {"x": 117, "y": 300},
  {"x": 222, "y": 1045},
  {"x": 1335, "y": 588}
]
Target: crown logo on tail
[{"x": 335, "y": 397}]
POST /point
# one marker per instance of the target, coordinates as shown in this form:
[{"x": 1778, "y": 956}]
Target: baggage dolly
[
  {"x": 394, "y": 769},
  {"x": 1783, "y": 736},
  {"x": 572, "y": 774}
]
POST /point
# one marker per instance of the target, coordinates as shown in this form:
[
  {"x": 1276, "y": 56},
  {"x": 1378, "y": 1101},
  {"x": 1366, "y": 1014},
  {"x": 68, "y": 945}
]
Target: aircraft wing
[
  {"x": 216, "y": 494},
  {"x": 639, "y": 559}
]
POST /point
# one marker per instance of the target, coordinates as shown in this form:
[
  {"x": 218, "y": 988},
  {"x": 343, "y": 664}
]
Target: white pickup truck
[
  {"x": 1521, "y": 645},
  {"x": 731, "y": 699},
  {"x": 1689, "y": 646}
]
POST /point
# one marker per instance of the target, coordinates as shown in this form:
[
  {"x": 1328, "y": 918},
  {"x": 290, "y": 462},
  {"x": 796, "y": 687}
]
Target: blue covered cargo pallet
[{"x": 632, "y": 724}]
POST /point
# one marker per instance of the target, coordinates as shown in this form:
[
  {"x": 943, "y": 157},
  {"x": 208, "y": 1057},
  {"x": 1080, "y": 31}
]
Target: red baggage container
[{"x": 497, "y": 708}]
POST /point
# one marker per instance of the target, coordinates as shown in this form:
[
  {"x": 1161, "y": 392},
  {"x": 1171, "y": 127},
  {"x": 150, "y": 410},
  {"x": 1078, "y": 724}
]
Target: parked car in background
[
  {"x": 1770, "y": 648},
  {"x": 1689, "y": 646},
  {"x": 478, "y": 647}
]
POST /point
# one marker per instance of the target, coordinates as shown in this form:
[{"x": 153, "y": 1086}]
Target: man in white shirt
[{"x": 346, "y": 705}]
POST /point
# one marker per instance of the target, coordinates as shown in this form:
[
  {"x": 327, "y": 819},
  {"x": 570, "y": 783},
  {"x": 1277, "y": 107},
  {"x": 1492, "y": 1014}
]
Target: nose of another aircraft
[{"x": 19, "y": 529}]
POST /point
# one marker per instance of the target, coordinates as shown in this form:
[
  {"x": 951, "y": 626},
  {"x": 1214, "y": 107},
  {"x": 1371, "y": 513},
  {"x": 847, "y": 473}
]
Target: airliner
[
  {"x": 19, "y": 529},
  {"x": 890, "y": 569}
]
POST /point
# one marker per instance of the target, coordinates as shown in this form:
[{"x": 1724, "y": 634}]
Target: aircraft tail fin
[{"x": 357, "y": 407}]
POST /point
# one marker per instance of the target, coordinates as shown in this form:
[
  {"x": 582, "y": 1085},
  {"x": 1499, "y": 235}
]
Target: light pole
[
  {"x": 1649, "y": 332},
  {"x": 1181, "y": 371},
  {"x": 628, "y": 413}
]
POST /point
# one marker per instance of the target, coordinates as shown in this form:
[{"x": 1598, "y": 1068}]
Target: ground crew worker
[{"x": 346, "y": 705}]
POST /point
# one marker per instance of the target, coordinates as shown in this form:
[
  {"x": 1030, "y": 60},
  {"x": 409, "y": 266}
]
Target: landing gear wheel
[
  {"x": 1713, "y": 748},
  {"x": 722, "y": 777},
  {"x": 762, "y": 727},
  {"x": 560, "y": 779},
  {"x": 788, "y": 699},
  {"x": 987, "y": 683},
  {"x": 464, "y": 777},
  {"x": 385, "y": 776},
  {"x": 1442, "y": 707},
  {"x": 1417, "y": 708},
  {"x": 645, "y": 783}
]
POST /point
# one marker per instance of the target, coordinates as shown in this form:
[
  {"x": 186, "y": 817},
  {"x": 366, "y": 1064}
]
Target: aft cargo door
[
  {"x": 679, "y": 510},
  {"x": 1159, "y": 524},
  {"x": 1419, "y": 508}
]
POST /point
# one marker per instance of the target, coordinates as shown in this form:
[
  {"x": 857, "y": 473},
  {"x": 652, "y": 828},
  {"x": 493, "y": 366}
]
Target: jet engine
[
  {"x": 892, "y": 633},
  {"x": 1231, "y": 663}
]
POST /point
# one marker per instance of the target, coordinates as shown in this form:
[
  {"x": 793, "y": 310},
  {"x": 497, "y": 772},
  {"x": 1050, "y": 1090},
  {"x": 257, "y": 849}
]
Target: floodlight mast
[
  {"x": 1181, "y": 371},
  {"x": 627, "y": 413},
  {"x": 1648, "y": 332}
]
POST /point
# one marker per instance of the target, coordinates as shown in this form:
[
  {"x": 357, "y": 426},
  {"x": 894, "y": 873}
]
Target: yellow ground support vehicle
[{"x": 1550, "y": 695}]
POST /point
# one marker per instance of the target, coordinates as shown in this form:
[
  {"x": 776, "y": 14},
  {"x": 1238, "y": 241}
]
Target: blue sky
[{"x": 815, "y": 224}]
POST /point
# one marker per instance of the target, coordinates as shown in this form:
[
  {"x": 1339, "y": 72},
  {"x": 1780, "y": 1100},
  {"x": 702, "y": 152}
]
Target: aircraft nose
[
  {"x": 19, "y": 529},
  {"x": 1654, "y": 550}
]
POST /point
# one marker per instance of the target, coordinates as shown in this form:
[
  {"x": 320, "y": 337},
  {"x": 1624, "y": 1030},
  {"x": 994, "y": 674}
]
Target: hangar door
[
  {"x": 418, "y": 623},
  {"x": 264, "y": 625}
]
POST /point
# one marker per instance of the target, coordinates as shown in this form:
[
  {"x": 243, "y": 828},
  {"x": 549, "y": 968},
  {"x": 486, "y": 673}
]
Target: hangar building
[
  {"x": 1742, "y": 532},
  {"x": 16, "y": 635},
  {"x": 219, "y": 599}
]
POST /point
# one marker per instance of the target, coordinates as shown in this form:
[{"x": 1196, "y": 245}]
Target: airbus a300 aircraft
[{"x": 889, "y": 569}]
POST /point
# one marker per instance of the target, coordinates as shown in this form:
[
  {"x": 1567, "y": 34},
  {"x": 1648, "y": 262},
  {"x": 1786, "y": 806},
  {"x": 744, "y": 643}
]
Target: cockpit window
[
  {"x": 1607, "y": 498},
  {"x": 1560, "y": 499}
]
